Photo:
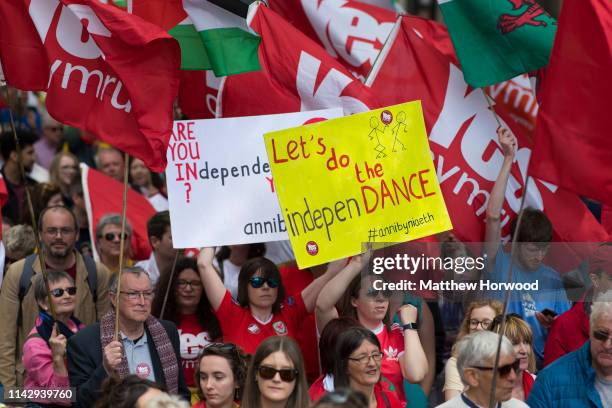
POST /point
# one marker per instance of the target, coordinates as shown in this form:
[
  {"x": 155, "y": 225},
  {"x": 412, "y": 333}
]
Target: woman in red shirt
[
  {"x": 358, "y": 366},
  {"x": 403, "y": 355},
  {"x": 188, "y": 307},
  {"x": 262, "y": 309}
]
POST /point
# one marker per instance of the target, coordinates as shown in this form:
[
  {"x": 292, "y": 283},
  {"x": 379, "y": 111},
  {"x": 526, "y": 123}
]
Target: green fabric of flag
[
  {"x": 496, "y": 40},
  {"x": 212, "y": 38}
]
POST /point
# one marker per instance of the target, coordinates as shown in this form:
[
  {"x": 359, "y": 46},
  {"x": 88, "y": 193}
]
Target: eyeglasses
[
  {"x": 474, "y": 323},
  {"x": 286, "y": 374},
  {"x": 363, "y": 360},
  {"x": 503, "y": 371},
  {"x": 110, "y": 236},
  {"x": 221, "y": 346},
  {"x": 59, "y": 292},
  {"x": 602, "y": 335},
  {"x": 146, "y": 295},
  {"x": 373, "y": 293},
  {"x": 64, "y": 231},
  {"x": 257, "y": 282},
  {"x": 192, "y": 284}
]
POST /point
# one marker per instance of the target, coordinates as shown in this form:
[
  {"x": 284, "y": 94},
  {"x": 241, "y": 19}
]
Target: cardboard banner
[
  {"x": 368, "y": 177},
  {"x": 220, "y": 188}
]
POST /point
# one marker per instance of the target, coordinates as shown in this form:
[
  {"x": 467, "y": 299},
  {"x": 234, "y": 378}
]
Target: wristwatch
[{"x": 410, "y": 326}]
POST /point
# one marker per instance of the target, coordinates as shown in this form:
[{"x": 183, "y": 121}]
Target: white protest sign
[{"x": 220, "y": 187}]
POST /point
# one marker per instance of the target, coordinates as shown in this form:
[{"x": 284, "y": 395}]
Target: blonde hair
[
  {"x": 464, "y": 329},
  {"x": 516, "y": 330}
]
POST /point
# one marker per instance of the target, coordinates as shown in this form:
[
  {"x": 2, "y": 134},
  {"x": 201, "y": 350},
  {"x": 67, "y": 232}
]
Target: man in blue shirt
[{"x": 537, "y": 308}]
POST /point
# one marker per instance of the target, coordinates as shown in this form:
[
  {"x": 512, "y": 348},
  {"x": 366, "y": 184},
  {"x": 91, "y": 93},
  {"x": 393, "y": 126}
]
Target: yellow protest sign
[{"x": 368, "y": 177}]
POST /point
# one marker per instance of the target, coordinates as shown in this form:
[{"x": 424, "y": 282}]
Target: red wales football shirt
[{"x": 392, "y": 347}]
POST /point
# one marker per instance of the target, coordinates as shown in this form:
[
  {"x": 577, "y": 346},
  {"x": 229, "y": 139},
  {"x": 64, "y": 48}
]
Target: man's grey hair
[
  {"x": 135, "y": 270},
  {"x": 102, "y": 150},
  {"x": 111, "y": 219},
  {"x": 479, "y": 349},
  {"x": 20, "y": 238},
  {"x": 602, "y": 305}
]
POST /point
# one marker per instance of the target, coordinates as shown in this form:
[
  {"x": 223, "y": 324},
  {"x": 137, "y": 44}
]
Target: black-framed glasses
[
  {"x": 133, "y": 295},
  {"x": 59, "y": 292},
  {"x": 110, "y": 236},
  {"x": 258, "y": 281},
  {"x": 504, "y": 370},
  {"x": 486, "y": 323},
  {"x": 181, "y": 283},
  {"x": 221, "y": 346},
  {"x": 373, "y": 293},
  {"x": 602, "y": 335},
  {"x": 286, "y": 374},
  {"x": 363, "y": 360}
]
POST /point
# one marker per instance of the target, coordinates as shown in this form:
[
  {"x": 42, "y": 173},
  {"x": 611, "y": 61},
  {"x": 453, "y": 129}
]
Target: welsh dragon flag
[
  {"x": 496, "y": 40},
  {"x": 210, "y": 36}
]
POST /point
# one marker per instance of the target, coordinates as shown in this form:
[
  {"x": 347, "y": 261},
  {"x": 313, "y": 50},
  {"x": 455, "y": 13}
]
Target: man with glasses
[
  {"x": 582, "y": 378},
  {"x": 475, "y": 361},
  {"x": 108, "y": 242},
  {"x": 58, "y": 233},
  {"x": 146, "y": 347}
]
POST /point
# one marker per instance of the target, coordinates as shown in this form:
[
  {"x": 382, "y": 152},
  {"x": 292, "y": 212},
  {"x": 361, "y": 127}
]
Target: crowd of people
[{"x": 237, "y": 326}]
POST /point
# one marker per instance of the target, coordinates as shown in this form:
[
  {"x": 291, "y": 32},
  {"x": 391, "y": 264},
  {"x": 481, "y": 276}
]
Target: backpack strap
[
  {"x": 25, "y": 281},
  {"x": 92, "y": 279}
]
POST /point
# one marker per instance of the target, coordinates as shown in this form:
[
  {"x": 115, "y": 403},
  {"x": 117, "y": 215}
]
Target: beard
[{"x": 57, "y": 253}]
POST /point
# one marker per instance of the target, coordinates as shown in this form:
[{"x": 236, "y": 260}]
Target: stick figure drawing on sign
[
  {"x": 401, "y": 122},
  {"x": 376, "y": 132}
]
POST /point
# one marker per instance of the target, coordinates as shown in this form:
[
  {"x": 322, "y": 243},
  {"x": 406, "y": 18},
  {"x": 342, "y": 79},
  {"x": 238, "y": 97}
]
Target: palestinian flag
[
  {"x": 496, "y": 40},
  {"x": 210, "y": 35}
]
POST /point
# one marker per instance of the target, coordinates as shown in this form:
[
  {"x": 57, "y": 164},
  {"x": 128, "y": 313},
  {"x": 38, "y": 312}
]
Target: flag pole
[
  {"x": 41, "y": 252},
  {"x": 163, "y": 309},
  {"x": 488, "y": 99},
  {"x": 122, "y": 241}
]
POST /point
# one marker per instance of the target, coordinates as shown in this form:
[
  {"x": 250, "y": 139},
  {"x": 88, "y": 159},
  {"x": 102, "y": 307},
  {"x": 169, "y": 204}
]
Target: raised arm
[
  {"x": 311, "y": 292},
  {"x": 496, "y": 201},
  {"x": 413, "y": 362},
  {"x": 333, "y": 291},
  {"x": 213, "y": 285}
]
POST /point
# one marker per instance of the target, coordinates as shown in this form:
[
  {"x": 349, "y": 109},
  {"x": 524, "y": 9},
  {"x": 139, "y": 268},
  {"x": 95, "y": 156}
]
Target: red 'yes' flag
[
  {"x": 573, "y": 147},
  {"x": 105, "y": 71}
]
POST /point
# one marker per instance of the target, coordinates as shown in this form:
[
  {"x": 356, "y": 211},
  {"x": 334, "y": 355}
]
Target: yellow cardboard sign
[{"x": 363, "y": 178}]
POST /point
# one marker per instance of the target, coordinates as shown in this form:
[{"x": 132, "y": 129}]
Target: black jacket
[{"x": 86, "y": 371}]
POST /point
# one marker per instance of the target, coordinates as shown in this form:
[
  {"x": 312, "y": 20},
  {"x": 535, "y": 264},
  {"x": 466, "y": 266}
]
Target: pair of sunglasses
[
  {"x": 503, "y": 371},
  {"x": 602, "y": 335},
  {"x": 286, "y": 374},
  {"x": 373, "y": 293},
  {"x": 258, "y": 281},
  {"x": 59, "y": 292},
  {"x": 110, "y": 236}
]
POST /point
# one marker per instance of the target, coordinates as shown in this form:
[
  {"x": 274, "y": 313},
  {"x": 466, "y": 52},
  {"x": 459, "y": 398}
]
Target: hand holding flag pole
[{"x": 122, "y": 243}]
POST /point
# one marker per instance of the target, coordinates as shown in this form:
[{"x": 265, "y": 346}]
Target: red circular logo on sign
[
  {"x": 312, "y": 248},
  {"x": 143, "y": 370},
  {"x": 386, "y": 117}
]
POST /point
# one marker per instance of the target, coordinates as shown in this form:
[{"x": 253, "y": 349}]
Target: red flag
[
  {"x": 198, "y": 92},
  {"x": 297, "y": 74},
  {"x": 103, "y": 196},
  {"x": 104, "y": 71},
  {"x": 573, "y": 146},
  {"x": 354, "y": 32},
  {"x": 464, "y": 143}
]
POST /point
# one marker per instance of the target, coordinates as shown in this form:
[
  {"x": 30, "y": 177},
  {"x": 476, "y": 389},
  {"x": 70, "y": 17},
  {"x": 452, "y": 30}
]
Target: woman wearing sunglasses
[
  {"x": 262, "y": 310},
  {"x": 519, "y": 333},
  {"x": 403, "y": 355},
  {"x": 276, "y": 376},
  {"x": 220, "y": 376},
  {"x": 187, "y": 306},
  {"x": 358, "y": 366},
  {"x": 44, "y": 350}
]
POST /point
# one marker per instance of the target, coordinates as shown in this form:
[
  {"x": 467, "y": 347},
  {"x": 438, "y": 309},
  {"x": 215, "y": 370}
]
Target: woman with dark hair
[
  {"x": 43, "y": 195},
  {"x": 129, "y": 392},
  {"x": 327, "y": 355},
  {"x": 44, "y": 351},
  {"x": 229, "y": 260},
  {"x": 262, "y": 310},
  {"x": 64, "y": 173},
  {"x": 404, "y": 357},
  {"x": 188, "y": 307},
  {"x": 519, "y": 333},
  {"x": 276, "y": 376},
  {"x": 149, "y": 184},
  {"x": 344, "y": 398},
  {"x": 220, "y": 376},
  {"x": 358, "y": 366}
]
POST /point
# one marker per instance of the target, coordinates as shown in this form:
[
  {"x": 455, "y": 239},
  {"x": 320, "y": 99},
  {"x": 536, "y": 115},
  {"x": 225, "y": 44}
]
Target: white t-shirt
[
  {"x": 230, "y": 276},
  {"x": 461, "y": 401}
]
